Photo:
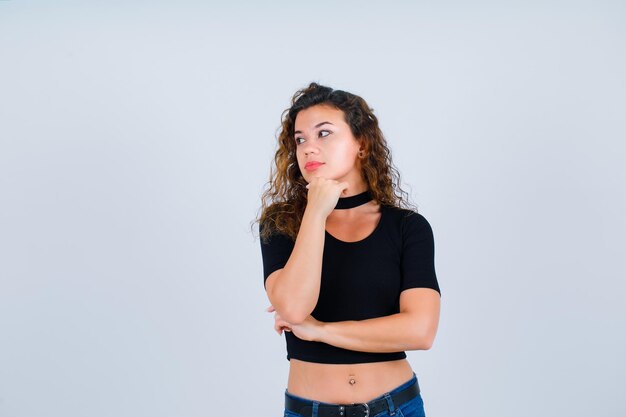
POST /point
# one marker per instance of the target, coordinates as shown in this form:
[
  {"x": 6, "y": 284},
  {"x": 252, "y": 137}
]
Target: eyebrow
[{"x": 315, "y": 127}]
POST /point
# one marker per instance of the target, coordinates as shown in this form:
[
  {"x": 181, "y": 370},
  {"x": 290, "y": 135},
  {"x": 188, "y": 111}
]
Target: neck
[
  {"x": 353, "y": 192},
  {"x": 354, "y": 200}
]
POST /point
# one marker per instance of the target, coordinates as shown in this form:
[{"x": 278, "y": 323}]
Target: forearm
[
  {"x": 394, "y": 333},
  {"x": 296, "y": 290}
]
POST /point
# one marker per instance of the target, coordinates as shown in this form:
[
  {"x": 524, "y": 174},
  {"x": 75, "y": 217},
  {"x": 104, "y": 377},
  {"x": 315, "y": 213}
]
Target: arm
[
  {"x": 294, "y": 289},
  {"x": 413, "y": 328}
]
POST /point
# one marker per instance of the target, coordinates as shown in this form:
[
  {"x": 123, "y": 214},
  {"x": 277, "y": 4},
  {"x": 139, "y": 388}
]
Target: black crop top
[{"x": 363, "y": 279}]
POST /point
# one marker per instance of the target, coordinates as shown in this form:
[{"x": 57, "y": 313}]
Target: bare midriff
[{"x": 346, "y": 383}]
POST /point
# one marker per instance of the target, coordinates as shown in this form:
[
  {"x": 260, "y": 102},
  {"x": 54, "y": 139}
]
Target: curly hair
[{"x": 285, "y": 197}]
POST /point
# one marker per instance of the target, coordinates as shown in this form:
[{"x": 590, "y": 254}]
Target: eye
[
  {"x": 297, "y": 140},
  {"x": 327, "y": 131}
]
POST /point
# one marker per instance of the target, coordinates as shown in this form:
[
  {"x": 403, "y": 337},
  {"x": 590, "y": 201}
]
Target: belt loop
[
  {"x": 315, "y": 407},
  {"x": 392, "y": 409}
]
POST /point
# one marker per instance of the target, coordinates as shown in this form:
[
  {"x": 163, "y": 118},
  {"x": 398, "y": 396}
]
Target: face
[{"x": 325, "y": 146}]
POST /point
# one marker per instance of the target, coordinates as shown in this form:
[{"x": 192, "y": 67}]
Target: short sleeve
[
  {"x": 418, "y": 253},
  {"x": 275, "y": 252}
]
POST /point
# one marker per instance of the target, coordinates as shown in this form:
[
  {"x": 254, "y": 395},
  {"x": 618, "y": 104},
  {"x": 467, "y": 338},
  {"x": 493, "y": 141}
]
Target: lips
[{"x": 312, "y": 165}]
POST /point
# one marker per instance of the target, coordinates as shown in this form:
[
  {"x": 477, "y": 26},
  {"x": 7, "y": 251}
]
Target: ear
[
  {"x": 361, "y": 147},
  {"x": 362, "y": 152}
]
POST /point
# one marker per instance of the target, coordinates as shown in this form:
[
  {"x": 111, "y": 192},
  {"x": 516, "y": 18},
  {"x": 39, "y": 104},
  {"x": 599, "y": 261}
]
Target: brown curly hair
[{"x": 284, "y": 200}]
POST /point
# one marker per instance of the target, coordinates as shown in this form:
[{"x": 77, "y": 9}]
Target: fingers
[
  {"x": 323, "y": 194},
  {"x": 279, "y": 330},
  {"x": 279, "y": 324},
  {"x": 278, "y": 327}
]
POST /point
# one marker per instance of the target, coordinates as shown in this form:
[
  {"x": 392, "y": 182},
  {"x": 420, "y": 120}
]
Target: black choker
[{"x": 353, "y": 201}]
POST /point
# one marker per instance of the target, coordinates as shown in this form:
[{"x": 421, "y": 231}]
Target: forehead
[{"x": 313, "y": 115}]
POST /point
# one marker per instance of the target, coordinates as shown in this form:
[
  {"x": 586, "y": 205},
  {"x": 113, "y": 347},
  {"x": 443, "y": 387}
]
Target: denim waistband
[{"x": 399, "y": 388}]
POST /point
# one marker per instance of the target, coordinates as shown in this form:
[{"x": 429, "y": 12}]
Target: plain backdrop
[{"x": 136, "y": 138}]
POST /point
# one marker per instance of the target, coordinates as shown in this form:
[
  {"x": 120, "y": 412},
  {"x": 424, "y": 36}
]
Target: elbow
[
  {"x": 422, "y": 334},
  {"x": 293, "y": 316},
  {"x": 427, "y": 344},
  {"x": 289, "y": 310},
  {"x": 422, "y": 341},
  {"x": 421, "y": 344}
]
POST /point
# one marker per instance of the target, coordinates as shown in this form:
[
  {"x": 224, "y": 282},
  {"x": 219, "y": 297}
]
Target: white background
[{"x": 135, "y": 141}]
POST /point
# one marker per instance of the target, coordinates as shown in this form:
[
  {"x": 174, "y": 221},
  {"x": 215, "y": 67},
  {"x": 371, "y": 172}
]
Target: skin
[{"x": 414, "y": 328}]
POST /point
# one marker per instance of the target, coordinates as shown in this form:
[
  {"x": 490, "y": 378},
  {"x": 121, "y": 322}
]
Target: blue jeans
[{"x": 411, "y": 408}]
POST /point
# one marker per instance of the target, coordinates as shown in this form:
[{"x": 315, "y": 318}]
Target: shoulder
[
  {"x": 406, "y": 217},
  {"x": 407, "y": 225}
]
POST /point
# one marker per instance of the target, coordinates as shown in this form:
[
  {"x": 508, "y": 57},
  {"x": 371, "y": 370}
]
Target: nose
[{"x": 308, "y": 148}]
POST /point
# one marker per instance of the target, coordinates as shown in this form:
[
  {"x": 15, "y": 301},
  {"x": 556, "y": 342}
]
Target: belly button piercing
[{"x": 352, "y": 380}]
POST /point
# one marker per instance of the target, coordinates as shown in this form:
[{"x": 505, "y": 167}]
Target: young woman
[{"x": 348, "y": 270}]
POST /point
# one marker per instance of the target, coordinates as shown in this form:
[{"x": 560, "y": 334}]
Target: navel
[{"x": 352, "y": 380}]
